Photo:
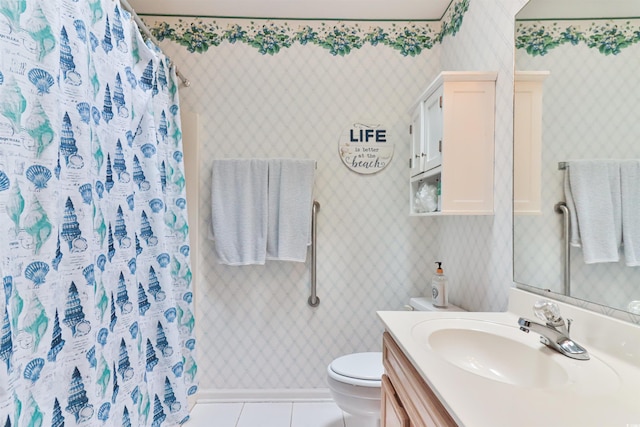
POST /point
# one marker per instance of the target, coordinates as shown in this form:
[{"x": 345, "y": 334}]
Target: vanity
[{"x": 479, "y": 369}]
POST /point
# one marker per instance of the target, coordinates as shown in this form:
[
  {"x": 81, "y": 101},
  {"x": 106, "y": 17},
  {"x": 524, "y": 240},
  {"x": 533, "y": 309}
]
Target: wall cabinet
[
  {"x": 452, "y": 143},
  {"x": 407, "y": 400},
  {"x": 527, "y": 141}
]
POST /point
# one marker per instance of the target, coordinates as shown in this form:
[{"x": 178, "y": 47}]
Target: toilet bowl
[{"x": 354, "y": 382}]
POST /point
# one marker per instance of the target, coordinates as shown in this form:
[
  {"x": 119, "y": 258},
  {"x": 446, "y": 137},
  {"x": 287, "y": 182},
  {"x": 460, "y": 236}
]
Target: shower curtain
[{"x": 96, "y": 317}]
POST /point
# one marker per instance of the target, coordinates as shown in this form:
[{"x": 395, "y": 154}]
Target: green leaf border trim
[
  {"x": 609, "y": 37},
  {"x": 270, "y": 36}
]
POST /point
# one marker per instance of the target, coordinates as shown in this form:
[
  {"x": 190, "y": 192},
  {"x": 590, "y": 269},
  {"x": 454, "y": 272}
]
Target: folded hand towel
[
  {"x": 594, "y": 187},
  {"x": 290, "y": 205},
  {"x": 630, "y": 189},
  {"x": 239, "y": 209}
]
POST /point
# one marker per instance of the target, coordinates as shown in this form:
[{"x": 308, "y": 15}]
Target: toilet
[
  {"x": 354, "y": 382},
  {"x": 355, "y": 379}
]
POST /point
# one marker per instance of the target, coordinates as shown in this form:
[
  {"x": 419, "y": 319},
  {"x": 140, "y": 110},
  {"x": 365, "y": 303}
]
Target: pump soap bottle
[{"x": 439, "y": 288}]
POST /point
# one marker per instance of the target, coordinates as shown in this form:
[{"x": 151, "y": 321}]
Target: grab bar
[
  {"x": 561, "y": 208},
  {"x": 314, "y": 300}
]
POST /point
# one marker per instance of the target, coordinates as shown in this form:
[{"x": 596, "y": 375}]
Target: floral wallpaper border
[
  {"x": 609, "y": 37},
  {"x": 342, "y": 38}
]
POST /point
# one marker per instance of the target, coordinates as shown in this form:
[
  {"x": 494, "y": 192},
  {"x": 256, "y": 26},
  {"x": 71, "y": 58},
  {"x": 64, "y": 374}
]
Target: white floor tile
[
  {"x": 266, "y": 415},
  {"x": 316, "y": 414},
  {"x": 351, "y": 421},
  {"x": 215, "y": 414},
  {"x": 274, "y": 414}
]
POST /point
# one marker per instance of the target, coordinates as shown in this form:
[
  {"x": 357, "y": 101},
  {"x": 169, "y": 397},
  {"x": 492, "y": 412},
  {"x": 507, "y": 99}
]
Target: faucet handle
[{"x": 548, "y": 311}]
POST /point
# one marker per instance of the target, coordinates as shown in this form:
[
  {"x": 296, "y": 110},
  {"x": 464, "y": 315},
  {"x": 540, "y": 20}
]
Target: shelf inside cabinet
[
  {"x": 430, "y": 178},
  {"x": 437, "y": 171}
]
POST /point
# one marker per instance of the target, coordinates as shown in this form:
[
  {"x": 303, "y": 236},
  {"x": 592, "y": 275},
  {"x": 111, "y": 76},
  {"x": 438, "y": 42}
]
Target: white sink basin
[
  {"x": 505, "y": 354},
  {"x": 497, "y": 357}
]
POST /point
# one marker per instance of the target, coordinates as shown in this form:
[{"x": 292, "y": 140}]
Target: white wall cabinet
[
  {"x": 452, "y": 143},
  {"x": 407, "y": 400},
  {"x": 527, "y": 142}
]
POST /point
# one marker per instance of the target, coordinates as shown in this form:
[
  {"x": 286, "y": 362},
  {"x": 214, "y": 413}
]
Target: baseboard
[{"x": 263, "y": 395}]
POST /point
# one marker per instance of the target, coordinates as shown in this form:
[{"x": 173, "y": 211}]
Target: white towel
[
  {"x": 630, "y": 190},
  {"x": 239, "y": 209},
  {"x": 290, "y": 205},
  {"x": 594, "y": 188}
]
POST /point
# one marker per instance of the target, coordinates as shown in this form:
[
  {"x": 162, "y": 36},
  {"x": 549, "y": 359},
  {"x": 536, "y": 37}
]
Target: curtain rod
[{"x": 141, "y": 25}]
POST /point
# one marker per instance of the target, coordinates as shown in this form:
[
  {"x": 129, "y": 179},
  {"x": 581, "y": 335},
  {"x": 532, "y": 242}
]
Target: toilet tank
[{"x": 425, "y": 304}]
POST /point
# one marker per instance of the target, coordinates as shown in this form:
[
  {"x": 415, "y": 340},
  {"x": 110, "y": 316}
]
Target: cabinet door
[
  {"x": 468, "y": 148},
  {"x": 417, "y": 151},
  {"x": 392, "y": 412},
  {"x": 527, "y": 142},
  {"x": 433, "y": 130},
  {"x": 420, "y": 403}
]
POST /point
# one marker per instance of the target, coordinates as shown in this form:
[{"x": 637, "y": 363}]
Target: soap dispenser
[{"x": 439, "y": 290}]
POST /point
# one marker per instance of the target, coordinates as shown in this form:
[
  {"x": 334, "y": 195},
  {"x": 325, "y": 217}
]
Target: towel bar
[
  {"x": 314, "y": 301},
  {"x": 561, "y": 208}
]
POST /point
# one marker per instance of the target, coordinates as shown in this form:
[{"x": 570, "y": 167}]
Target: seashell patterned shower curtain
[{"x": 96, "y": 311}]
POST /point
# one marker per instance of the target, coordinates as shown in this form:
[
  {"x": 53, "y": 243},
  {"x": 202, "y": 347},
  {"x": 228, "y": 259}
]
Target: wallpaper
[
  {"x": 479, "y": 248},
  {"x": 339, "y": 38},
  {"x": 255, "y": 328}
]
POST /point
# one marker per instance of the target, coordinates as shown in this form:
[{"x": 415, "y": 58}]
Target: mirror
[{"x": 590, "y": 110}]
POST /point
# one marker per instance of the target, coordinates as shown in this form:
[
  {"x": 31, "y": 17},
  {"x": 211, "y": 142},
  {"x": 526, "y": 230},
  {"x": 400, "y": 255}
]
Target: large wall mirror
[{"x": 590, "y": 110}]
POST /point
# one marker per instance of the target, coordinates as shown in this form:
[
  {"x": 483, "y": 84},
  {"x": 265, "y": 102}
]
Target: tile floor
[{"x": 271, "y": 414}]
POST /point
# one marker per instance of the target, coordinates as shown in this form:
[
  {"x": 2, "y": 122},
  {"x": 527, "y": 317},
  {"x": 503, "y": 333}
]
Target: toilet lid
[{"x": 362, "y": 366}]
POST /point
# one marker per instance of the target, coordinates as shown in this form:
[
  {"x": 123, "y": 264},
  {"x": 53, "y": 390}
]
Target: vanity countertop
[{"x": 606, "y": 393}]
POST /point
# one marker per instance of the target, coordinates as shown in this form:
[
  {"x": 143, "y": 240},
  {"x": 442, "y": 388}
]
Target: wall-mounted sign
[{"x": 366, "y": 148}]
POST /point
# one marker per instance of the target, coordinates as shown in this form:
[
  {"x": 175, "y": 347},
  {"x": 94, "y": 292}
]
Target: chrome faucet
[{"x": 555, "y": 332}]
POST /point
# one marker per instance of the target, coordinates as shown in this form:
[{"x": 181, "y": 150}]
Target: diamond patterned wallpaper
[
  {"x": 256, "y": 330},
  {"x": 589, "y": 111},
  {"x": 478, "y": 250}
]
